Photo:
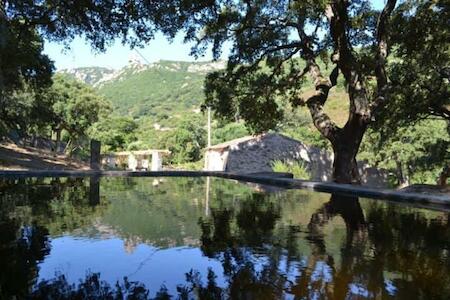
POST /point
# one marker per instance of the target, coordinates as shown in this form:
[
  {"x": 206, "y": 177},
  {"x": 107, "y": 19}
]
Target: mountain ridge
[
  {"x": 156, "y": 90},
  {"x": 95, "y": 75}
]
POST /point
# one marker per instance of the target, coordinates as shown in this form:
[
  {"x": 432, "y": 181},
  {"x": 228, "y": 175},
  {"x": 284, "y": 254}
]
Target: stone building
[{"x": 253, "y": 154}]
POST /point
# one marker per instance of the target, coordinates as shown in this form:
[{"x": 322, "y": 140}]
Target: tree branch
[
  {"x": 382, "y": 53},
  {"x": 337, "y": 15},
  {"x": 316, "y": 102}
]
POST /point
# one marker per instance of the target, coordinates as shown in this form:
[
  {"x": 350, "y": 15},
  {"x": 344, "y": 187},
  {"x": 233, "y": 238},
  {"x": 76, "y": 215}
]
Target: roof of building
[
  {"x": 234, "y": 142},
  {"x": 140, "y": 152},
  {"x": 246, "y": 139}
]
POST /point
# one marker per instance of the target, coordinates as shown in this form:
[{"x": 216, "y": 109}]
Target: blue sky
[{"x": 117, "y": 55}]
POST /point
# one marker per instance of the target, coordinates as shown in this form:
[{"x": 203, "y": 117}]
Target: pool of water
[{"x": 210, "y": 238}]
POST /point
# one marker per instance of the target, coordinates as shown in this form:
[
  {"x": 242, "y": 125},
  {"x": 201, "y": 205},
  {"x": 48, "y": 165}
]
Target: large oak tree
[{"x": 276, "y": 44}]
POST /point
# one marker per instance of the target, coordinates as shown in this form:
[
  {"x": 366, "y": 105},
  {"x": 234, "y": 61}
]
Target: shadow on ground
[{"x": 13, "y": 157}]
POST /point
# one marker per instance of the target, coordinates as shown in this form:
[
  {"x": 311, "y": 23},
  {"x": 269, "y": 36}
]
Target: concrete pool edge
[{"x": 328, "y": 187}]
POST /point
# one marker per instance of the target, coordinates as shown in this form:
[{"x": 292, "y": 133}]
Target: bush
[
  {"x": 186, "y": 142},
  {"x": 229, "y": 132},
  {"x": 297, "y": 168}
]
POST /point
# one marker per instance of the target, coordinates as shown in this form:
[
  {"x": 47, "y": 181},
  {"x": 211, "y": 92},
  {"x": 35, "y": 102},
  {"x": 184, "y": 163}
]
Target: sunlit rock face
[
  {"x": 89, "y": 75},
  {"x": 98, "y": 76}
]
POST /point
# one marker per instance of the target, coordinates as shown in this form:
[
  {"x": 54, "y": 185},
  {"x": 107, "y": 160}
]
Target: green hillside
[
  {"x": 163, "y": 94},
  {"x": 157, "y": 90},
  {"x": 154, "y": 91}
]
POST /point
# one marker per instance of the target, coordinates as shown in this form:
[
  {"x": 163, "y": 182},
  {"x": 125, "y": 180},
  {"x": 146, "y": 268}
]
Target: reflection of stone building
[
  {"x": 130, "y": 243},
  {"x": 254, "y": 154}
]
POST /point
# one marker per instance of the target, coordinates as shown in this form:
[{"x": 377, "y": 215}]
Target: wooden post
[
  {"x": 94, "y": 190},
  {"x": 95, "y": 154}
]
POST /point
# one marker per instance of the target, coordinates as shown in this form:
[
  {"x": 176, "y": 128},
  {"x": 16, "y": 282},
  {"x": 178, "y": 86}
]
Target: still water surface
[{"x": 209, "y": 238}]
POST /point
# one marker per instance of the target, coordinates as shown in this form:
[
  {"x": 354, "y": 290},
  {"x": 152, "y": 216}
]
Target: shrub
[{"x": 297, "y": 168}]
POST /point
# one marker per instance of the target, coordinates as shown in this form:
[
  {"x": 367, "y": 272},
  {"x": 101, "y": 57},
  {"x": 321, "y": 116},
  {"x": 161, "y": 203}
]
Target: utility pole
[
  {"x": 209, "y": 126},
  {"x": 142, "y": 56}
]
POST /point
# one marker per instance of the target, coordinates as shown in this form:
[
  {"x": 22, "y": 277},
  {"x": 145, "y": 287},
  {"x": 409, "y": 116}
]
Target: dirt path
[{"x": 13, "y": 157}]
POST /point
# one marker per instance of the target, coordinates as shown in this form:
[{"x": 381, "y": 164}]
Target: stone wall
[{"x": 258, "y": 154}]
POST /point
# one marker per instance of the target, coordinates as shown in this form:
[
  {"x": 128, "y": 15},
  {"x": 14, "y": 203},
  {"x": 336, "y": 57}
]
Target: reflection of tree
[
  {"x": 390, "y": 252},
  {"x": 30, "y": 210},
  {"x": 236, "y": 238},
  {"x": 21, "y": 249},
  {"x": 346, "y": 207},
  {"x": 414, "y": 249},
  {"x": 92, "y": 287}
]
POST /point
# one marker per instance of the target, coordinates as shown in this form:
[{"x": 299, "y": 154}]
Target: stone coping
[{"x": 439, "y": 202}]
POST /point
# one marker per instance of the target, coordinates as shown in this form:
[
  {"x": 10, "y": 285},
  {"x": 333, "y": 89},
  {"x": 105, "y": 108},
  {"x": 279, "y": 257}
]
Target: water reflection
[{"x": 129, "y": 238}]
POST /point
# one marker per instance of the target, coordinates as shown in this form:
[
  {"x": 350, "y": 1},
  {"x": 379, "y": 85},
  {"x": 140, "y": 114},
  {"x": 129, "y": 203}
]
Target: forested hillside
[{"x": 159, "y": 90}]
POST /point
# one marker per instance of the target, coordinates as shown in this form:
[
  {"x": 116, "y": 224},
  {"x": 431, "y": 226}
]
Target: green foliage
[
  {"x": 191, "y": 166},
  {"x": 420, "y": 69},
  {"x": 297, "y": 168},
  {"x": 228, "y": 132},
  {"x": 76, "y": 106},
  {"x": 307, "y": 135},
  {"x": 67, "y": 105},
  {"x": 186, "y": 141},
  {"x": 414, "y": 154},
  {"x": 22, "y": 63},
  {"x": 25, "y": 110},
  {"x": 115, "y": 133},
  {"x": 297, "y": 125}
]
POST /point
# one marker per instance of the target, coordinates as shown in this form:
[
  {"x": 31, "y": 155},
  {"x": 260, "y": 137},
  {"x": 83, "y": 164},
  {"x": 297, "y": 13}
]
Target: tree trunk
[
  {"x": 402, "y": 179},
  {"x": 345, "y": 147},
  {"x": 443, "y": 177},
  {"x": 58, "y": 140},
  {"x": 345, "y": 167}
]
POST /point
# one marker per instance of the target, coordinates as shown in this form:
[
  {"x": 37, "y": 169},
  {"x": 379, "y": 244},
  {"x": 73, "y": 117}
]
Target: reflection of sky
[
  {"x": 322, "y": 272},
  {"x": 152, "y": 266},
  {"x": 359, "y": 290},
  {"x": 74, "y": 257}
]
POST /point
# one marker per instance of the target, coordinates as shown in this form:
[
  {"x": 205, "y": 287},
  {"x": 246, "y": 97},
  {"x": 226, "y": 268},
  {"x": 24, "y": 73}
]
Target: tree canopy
[
  {"x": 75, "y": 106},
  {"x": 276, "y": 44}
]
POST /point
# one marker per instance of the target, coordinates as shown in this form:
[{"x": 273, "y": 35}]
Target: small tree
[
  {"x": 75, "y": 107},
  {"x": 115, "y": 133},
  {"x": 186, "y": 141}
]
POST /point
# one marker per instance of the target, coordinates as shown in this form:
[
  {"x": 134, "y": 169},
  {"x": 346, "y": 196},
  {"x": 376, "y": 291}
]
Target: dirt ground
[{"x": 13, "y": 157}]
